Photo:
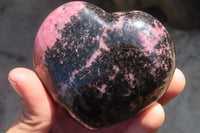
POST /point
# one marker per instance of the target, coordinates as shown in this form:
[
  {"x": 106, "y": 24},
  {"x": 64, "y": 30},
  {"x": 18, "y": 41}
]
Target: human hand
[{"x": 41, "y": 115}]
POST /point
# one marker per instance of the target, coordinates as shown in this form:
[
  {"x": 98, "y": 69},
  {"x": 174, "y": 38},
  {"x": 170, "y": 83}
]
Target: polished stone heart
[{"x": 103, "y": 68}]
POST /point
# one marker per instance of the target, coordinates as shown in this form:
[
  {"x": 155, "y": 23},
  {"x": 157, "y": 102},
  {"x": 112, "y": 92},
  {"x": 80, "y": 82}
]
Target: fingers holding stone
[
  {"x": 175, "y": 88},
  {"x": 148, "y": 121}
]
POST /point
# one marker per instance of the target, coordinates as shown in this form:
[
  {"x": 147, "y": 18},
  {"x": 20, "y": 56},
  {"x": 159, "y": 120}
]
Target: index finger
[{"x": 175, "y": 88}]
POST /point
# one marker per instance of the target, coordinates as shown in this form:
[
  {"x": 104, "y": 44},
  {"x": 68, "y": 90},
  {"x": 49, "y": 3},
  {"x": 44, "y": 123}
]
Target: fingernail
[{"x": 15, "y": 86}]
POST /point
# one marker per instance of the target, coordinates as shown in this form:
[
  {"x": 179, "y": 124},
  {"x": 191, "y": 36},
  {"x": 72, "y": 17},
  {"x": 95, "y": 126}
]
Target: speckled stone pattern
[{"x": 104, "y": 68}]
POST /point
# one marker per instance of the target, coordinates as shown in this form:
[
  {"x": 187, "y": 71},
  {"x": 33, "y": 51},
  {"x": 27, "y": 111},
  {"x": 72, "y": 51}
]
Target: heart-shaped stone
[{"x": 103, "y": 68}]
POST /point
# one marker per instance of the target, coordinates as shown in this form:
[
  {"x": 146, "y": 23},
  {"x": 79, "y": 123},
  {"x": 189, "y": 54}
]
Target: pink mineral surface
[{"x": 103, "y": 68}]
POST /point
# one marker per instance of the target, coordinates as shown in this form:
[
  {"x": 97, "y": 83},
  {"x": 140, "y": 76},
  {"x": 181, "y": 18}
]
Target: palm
[{"x": 64, "y": 123}]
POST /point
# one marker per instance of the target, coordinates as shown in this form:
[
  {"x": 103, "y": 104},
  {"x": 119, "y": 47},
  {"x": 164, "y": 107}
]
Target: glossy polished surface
[{"x": 103, "y": 68}]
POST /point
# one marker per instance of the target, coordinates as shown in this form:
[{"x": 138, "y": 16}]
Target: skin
[{"x": 41, "y": 115}]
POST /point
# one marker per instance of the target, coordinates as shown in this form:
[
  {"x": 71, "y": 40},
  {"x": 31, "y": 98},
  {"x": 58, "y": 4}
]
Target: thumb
[{"x": 38, "y": 109}]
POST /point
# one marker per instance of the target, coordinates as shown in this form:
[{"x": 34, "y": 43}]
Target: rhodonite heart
[{"x": 103, "y": 68}]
